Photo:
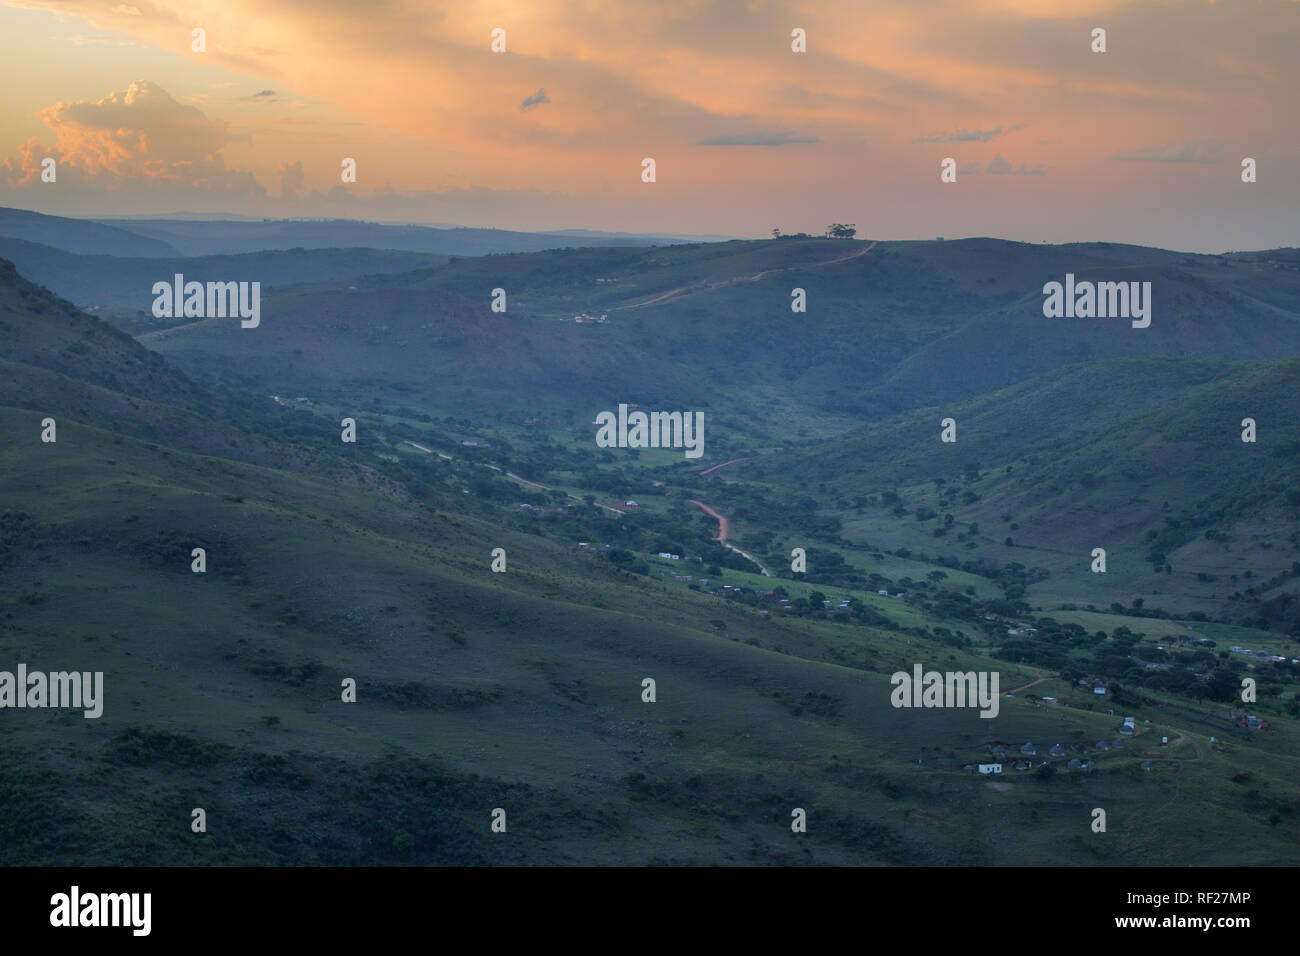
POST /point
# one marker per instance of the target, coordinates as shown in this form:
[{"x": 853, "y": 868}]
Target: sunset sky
[{"x": 1142, "y": 143}]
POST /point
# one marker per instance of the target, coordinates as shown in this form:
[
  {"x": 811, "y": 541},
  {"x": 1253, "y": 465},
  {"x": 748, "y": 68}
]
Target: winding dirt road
[
  {"x": 724, "y": 528},
  {"x": 724, "y": 524}
]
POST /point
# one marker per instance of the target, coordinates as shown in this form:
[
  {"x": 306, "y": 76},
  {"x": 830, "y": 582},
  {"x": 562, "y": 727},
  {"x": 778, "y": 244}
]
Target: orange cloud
[
  {"x": 414, "y": 92},
  {"x": 139, "y": 135}
]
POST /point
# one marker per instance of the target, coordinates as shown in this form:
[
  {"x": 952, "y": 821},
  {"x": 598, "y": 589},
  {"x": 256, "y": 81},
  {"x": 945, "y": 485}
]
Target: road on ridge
[{"x": 683, "y": 291}]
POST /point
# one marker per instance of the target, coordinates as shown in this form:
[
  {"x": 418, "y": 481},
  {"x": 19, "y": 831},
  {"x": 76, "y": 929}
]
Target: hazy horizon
[{"x": 697, "y": 237}]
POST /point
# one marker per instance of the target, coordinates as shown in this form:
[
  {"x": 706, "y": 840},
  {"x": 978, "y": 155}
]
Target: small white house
[{"x": 990, "y": 768}]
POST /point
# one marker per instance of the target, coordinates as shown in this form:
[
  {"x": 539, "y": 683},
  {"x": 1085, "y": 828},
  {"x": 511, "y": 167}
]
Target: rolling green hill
[
  {"x": 1142, "y": 457},
  {"x": 523, "y": 690},
  {"x": 888, "y": 328}
]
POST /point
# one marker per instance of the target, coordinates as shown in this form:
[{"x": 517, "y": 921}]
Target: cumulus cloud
[
  {"x": 140, "y": 136},
  {"x": 537, "y": 99},
  {"x": 759, "y": 138},
  {"x": 1196, "y": 151}
]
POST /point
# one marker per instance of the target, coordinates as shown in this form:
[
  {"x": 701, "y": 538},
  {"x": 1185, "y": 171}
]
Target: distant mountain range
[{"x": 231, "y": 236}]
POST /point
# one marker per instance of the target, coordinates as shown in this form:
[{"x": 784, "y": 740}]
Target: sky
[{"x": 1050, "y": 140}]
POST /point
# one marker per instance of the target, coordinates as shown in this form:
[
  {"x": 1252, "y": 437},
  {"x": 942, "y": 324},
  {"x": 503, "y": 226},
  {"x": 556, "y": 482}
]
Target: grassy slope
[
  {"x": 518, "y": 690},
  {"x": 884, "y": 332},
  {"x": 1100, "y": 454}
]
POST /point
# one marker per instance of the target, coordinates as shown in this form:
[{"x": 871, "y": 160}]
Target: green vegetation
[{"x": 523, "y": 690}]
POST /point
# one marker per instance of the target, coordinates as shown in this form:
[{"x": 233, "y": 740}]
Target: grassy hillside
[
  {"x": 888, "y": 328},
  {"x": 518, "y": 690},
  {"x": 1142, "y": 457}
]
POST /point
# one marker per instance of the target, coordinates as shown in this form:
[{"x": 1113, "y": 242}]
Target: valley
[{"x": 521, "y": 689}]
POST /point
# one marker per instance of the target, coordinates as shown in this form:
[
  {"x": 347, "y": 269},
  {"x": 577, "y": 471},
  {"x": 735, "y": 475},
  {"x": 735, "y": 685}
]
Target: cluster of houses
[
  {"x": 539, "y": 510},
  {"x": 1098, "y": 686},
  {"x": 1263, "y": 655},
  {"x": 588, "y": 319},
  {"x": 1149, "y": 665},
  {"x": 764, "y": 596},
  {"x": 992, "y": 768},
  {"x": 900, "y": 595},
  {"x": 727, "y": 590},
  {"x": 601, "y": 549},
  {"x": 1021, "y": 631},
  {"x": 1002, "y": 756},
  {"x": 1249, "y": 721},
  {"x": 686, "y": 579}
]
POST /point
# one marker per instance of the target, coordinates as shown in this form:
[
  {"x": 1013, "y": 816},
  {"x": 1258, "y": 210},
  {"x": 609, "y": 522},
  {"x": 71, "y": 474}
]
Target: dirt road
[
  {"x": 709, "y": 471},
  {"x": 682, "y": 292},
  {"x": 1016, "y": 690},
  {"x": 724, "y": 527}
]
